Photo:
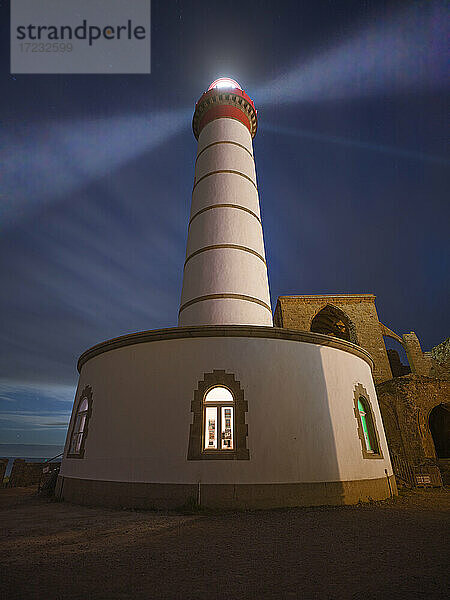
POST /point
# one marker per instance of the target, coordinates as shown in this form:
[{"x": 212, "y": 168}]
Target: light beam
[
  {"x": 41, "y": 163},
  {"x": 383, "y": 149},
  {"x": 407, "y": 52}
]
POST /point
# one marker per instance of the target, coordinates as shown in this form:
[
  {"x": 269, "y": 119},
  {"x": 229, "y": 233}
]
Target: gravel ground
[{"x": 394, "y": 549}]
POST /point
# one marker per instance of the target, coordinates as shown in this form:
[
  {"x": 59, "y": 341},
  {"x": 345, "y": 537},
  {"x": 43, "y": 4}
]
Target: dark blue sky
[{"x": 97, "y": 175}]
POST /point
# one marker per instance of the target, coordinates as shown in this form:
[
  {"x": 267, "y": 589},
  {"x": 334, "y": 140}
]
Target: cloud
[
  {"x": 33, "y": 419},
  {"x": 99, "y": 265},
  {"x": 40, "y": 412},
  {"x": 7, "y": 398},
  {"x": 12, "y": 391}
]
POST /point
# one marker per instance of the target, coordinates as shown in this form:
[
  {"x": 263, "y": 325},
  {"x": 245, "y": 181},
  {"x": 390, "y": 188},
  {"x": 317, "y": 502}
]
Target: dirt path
[{"x": 54, "y": 550}]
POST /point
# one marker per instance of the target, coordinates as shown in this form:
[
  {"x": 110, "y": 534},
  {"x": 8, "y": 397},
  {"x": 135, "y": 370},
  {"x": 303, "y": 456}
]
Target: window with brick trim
[
  {"x": 218, "y": 430},
  {"x": 80, "y": 425},
  {"x": 367, "y": 430},
  {"x": 367, "y": 425}
]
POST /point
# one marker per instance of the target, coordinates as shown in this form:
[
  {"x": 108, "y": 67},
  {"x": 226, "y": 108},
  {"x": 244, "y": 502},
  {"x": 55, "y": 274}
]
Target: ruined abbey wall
[{"x": 407, "y": 395}]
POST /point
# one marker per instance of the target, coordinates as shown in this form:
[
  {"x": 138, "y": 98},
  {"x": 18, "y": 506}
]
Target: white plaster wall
[
  {"x": 225, "y": 270},
  {"x": 217, "y": 312},
  {"x": 225, "y": 129},
  {"x": 225, "y": 226},
  {"x": 225, "y": 188},
  {"x": 300, "y": 416},
  {"x": 225, "y": 157}
]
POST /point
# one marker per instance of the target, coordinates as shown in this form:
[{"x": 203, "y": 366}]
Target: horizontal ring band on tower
[
  {"x": 224, "y": 171},
  {"x": 228, "y": 117},
  {"x": 233, "y": 246},
  {"x": 225, "y": 296},
  {"x": 225, "y": 111},
  {"x": 223, "y": 142},
  {"x": 223, "y": 205}
]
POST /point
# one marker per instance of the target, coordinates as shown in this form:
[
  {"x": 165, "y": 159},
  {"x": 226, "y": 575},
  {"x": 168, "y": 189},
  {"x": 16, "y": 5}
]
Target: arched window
[
  {"x": 367, "y": 425},
  {"x": 80, "y": 426},
  {"x": 218, "y": 419},
  {"x": 333, "y": 321},
  {"x": 218, "y": 430},
  {"x": 367, "y": 430}
]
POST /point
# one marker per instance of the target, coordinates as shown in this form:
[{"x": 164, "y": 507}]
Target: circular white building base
[{"x": 298, "y": 438}]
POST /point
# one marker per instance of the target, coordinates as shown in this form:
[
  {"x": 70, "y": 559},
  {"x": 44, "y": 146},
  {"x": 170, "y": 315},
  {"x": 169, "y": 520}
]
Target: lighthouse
[
  {"x": 225, "y": 272},
  {"x": 225, "y": 410}
]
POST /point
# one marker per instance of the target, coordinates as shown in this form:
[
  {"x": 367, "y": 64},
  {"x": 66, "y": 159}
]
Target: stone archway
[
  {"x": 331, "y": 320},
  {"x": 439, "y": 423}
]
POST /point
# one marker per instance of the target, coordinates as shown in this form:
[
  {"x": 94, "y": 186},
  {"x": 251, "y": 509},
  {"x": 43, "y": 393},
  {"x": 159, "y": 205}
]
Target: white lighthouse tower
[
  {"x": 225, "y": 410},
  {"x": 225, "y": 273}
]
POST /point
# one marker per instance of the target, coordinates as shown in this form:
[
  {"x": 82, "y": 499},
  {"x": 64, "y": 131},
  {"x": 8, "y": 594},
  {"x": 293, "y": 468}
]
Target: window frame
[
  {"x": 86, "y": 394},
  {"x": 219, "y": 405},
  {"x": 360, "y": 393},
  {"x": 196, "y": 447}
]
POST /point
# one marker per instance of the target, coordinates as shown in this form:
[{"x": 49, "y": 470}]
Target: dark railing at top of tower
[{"x": 226, "y": 102}]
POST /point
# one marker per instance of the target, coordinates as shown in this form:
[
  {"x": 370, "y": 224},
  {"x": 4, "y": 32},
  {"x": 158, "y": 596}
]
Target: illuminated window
[
  {"x": 80, "y": 426},
  {"x": 366, "y": 424},
  {"x": 218, "y": 419},
  {"x": 218, "y": 430},
  {"x": 367, "y": 430}
]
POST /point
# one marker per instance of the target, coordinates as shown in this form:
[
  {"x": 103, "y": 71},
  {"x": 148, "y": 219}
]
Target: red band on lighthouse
[
  {"x": 225, "y": 100},
  {"x": 224, "y": 110}
]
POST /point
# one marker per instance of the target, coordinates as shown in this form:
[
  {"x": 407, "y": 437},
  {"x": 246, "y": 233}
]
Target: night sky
[{"x": 97, "y": 173}]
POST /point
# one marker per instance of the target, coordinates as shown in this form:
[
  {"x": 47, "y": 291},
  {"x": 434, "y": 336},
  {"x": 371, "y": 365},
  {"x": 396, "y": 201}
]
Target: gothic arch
[{"x": 331, "y": 320}]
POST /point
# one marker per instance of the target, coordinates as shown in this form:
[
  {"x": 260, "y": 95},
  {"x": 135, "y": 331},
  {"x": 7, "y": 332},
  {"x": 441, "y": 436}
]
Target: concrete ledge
[
  {"x": 118, "y": 494},
  {"x": 278, "y": 333}
]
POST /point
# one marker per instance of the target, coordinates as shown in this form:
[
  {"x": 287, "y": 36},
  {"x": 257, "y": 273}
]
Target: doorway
[{"x": 439, "y": 422}]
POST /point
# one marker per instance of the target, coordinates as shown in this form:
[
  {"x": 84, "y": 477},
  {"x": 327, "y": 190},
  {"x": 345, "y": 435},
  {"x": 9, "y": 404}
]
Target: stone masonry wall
[
  {"x": 405, "y": 404},
  {"x": 3, "y": 465},
  {"x": 24, "y": 473},
  {"x": 297, "y": 312},
  {"x": 419, "y": 362}
]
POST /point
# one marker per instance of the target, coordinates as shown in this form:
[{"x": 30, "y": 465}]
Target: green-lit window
[{"x": 365, "y": 416}]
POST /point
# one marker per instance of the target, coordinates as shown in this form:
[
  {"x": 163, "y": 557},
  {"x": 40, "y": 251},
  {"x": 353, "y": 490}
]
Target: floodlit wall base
[{"x": 117, "y": 494}]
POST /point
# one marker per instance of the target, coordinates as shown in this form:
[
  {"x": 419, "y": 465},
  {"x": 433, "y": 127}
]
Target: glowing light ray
[
  {"x": 225, "y": 83},
  {"x": 46, "y": 162},
  {"x": 321, "y": 137},
  {"x": 408, "y": 52}
]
